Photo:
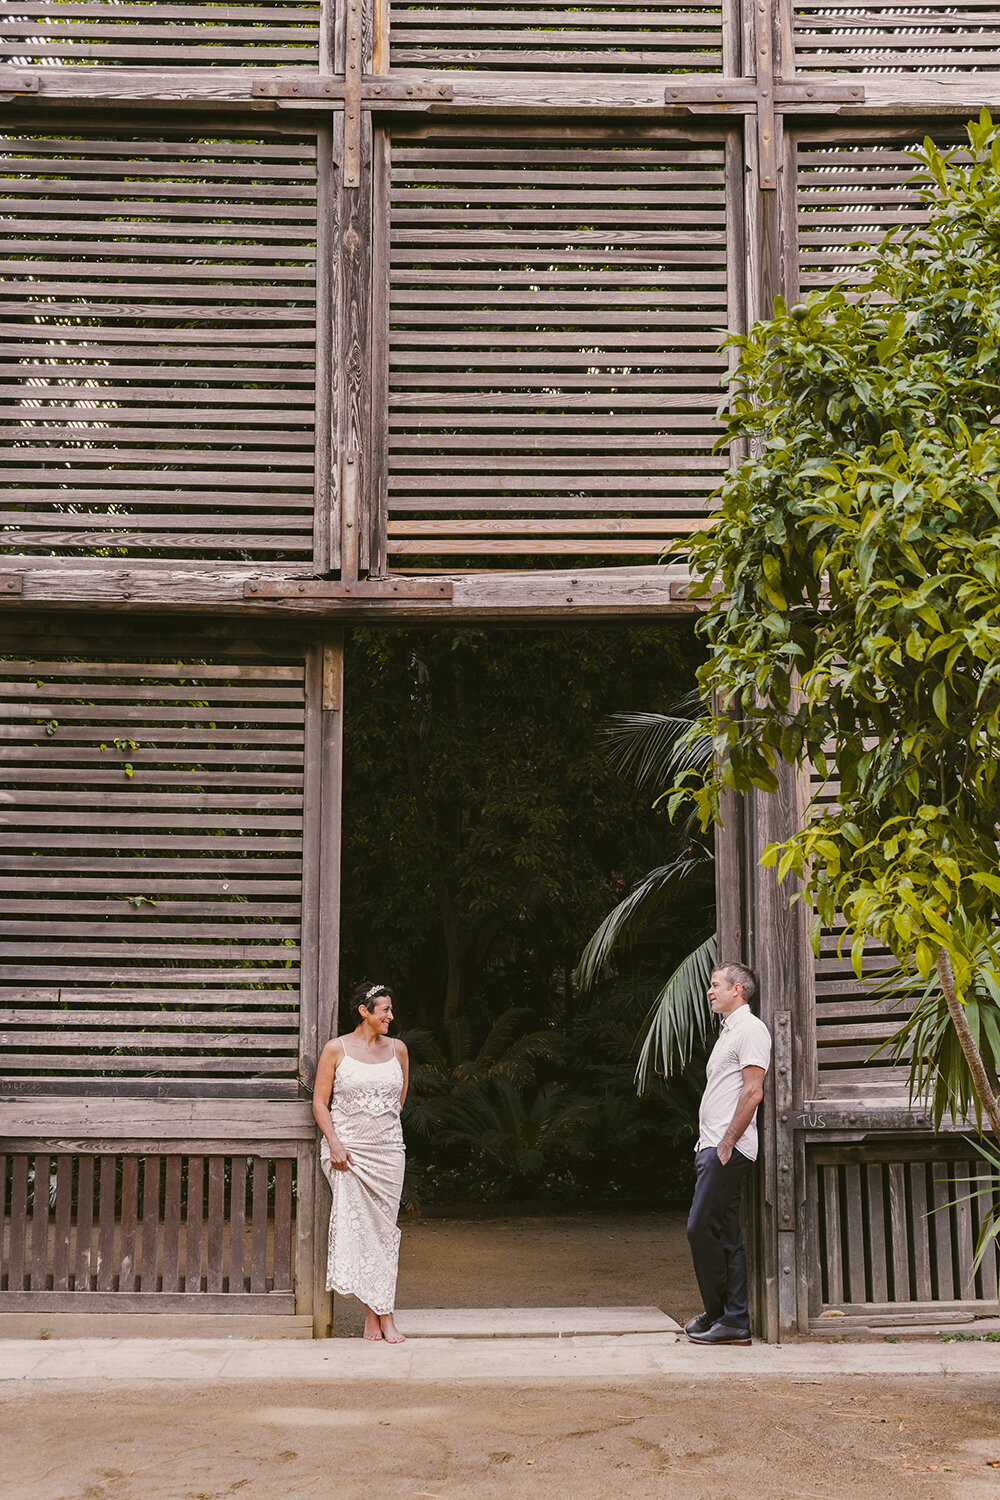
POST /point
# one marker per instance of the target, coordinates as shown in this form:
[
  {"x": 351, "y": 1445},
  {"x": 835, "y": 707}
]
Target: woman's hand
[{"x": 340, "y": 1159}]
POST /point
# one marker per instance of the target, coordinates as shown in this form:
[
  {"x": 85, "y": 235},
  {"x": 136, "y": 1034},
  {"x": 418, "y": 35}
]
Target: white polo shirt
[{"x": 744, "y": 1042}]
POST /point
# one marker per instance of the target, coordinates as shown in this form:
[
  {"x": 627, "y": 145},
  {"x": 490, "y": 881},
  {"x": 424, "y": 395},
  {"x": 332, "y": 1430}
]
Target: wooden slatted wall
[
  {"x": 896, "y": 1226},
  {"x": 555, "y": 310},
  {"x": 157, "y": 355},
  {"x": 885, "y": 36},
  {"x": 852, "y": 187},
  {"x": 654, "y": 36},
  {"x": 851, "y": 1024},
  {"x": 152, "y": 1230},
  {"x": 150, "y": 872},
  {"x": 182, "y": 33}
]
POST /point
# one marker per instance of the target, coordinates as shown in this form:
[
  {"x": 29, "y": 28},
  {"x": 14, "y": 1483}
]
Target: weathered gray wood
[
  {"x": 855, "y": 1280},
  {"x": 194, "y": 1221},
  {"x": 276, "y": 1303},
  {"x": 127, "y": 1263},
  {"x": 84, "y": 1225},
  {"x": 38, "y": 1275},
  {"x": 258, "y": 1227},
  {"x": 148, "y": 1272},
  {"x": 237, "y": 1223},
  {"x": 106, "y": 1225},
  {"x": 170, "y": 1281},
  {"x": 964, "y": 1237},
  {"x": 947, "y": 1286},
  {"x": 215, "y": 1228},
  {"x": 102, "y": 1119},
  {"x": 899, "y": 1233},
  {"x": 63, "y": 1223},
  {"x": 833, "y": 1252}
]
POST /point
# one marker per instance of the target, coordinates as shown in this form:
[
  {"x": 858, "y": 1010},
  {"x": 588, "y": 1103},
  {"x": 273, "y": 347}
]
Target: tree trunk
[{"x": 959, "y": 1020}]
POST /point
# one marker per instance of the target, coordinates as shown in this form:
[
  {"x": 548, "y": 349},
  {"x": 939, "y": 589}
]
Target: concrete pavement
[{"x": 593, "y": 1359}]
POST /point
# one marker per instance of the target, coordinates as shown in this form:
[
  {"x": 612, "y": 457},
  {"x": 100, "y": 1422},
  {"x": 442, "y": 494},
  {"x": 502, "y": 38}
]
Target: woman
[{"x": 362, "y": 1154}]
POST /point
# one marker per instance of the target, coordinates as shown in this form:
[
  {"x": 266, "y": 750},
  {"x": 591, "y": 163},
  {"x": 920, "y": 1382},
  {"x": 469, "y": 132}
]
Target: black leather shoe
[
  {"x": 720, "y": 1333},
  {"x": 701, "y": 1324}
]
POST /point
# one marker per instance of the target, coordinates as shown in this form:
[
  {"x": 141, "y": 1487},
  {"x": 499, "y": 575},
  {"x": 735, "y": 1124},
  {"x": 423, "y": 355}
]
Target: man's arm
[{"x": 746, "y": 1104}]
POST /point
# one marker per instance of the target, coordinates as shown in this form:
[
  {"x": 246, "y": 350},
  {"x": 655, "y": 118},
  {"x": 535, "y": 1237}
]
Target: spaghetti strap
[{"x": 393, "y": 1041}]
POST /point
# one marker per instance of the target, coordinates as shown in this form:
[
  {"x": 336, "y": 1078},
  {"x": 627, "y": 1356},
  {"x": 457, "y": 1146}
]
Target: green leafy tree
[{"x": 855, "y": 564}]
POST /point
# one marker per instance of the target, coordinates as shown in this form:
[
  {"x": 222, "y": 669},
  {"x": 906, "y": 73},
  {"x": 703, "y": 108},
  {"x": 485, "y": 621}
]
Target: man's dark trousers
[{"x": 713, "y": 1232}]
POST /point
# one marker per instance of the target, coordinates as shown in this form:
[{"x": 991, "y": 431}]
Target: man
[{"x": 726, "y": 1150}]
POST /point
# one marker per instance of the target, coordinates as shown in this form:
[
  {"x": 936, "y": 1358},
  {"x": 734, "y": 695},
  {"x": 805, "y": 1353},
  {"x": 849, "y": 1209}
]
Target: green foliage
[{"x": 855, "y": 560}]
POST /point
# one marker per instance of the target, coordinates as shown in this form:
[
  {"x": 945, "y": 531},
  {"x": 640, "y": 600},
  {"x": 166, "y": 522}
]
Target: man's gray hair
[{"x": 741, "y": 974}]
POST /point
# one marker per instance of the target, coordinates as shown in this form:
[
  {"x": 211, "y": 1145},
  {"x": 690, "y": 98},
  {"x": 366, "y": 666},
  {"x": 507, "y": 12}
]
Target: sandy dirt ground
[
  {"x": 922, "y": 1438},
  {"x": 569, "y": 1260}
]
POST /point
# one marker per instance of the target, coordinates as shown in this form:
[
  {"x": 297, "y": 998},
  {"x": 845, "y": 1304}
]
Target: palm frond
[
  {"x": 621, "y": 926},
  {"x": 655, "y": 749},
  {"x": 680, "y": 1017}
]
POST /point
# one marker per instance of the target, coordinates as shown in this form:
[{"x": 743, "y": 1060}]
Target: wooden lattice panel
[
  {"x": 883, "y": 36},
  {"x": 150, "y": 869},
  {"x": 132, "y": 1232},
  {"x": 849, "y": 194},
  {"x": 851, "y": 1022},
  {"x": 895, "y": 1230},
  {"x": 157, "y": 356},
  {"x": 149, "y": 33},
  {"x": 555, "y": 315},
  {"x": 656, "y": 36}
]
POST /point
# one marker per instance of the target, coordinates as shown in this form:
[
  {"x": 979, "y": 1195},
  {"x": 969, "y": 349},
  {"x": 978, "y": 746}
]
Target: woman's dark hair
[{"x": 365, "y": 994}]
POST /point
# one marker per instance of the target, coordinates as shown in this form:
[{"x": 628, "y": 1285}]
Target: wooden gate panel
[
  {"x": 896, "y": 1226},
  {"x": 157, "y": 365},
  {"x": 131, "y": 1231},
  {"x": 150, "y": 871},
  {"x": 555, "y": 306},
  {"x": 147, "y": 33}
]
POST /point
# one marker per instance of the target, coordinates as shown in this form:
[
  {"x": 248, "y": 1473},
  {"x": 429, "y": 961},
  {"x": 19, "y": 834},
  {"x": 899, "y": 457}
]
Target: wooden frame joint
[
  {"x": 14, "y": 84},
  {"x": 11, "y": 583}
]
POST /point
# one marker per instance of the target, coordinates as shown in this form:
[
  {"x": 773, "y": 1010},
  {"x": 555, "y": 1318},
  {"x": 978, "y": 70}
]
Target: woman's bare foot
[
  {"x": 390, "y": 1332},
  {"x": 373, "y": 1327}
]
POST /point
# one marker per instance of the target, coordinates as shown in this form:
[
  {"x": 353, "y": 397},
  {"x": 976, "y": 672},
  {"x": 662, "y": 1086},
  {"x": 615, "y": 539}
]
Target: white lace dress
[{"x": 364, "y": 1240}]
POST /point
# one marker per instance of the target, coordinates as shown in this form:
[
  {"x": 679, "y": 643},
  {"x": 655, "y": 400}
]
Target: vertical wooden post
[
  {"x": 326, "y": 522},
  {"x": 314, "y": 1201},
  {"x": 375, "y": 534},
  {"x": 355, "y": 249},
  {"x": 779, "y": 945}
]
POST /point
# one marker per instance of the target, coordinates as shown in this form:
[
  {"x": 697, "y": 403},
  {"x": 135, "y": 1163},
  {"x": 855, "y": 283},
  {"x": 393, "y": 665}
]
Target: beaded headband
[{"x": 376, "y": 989}]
